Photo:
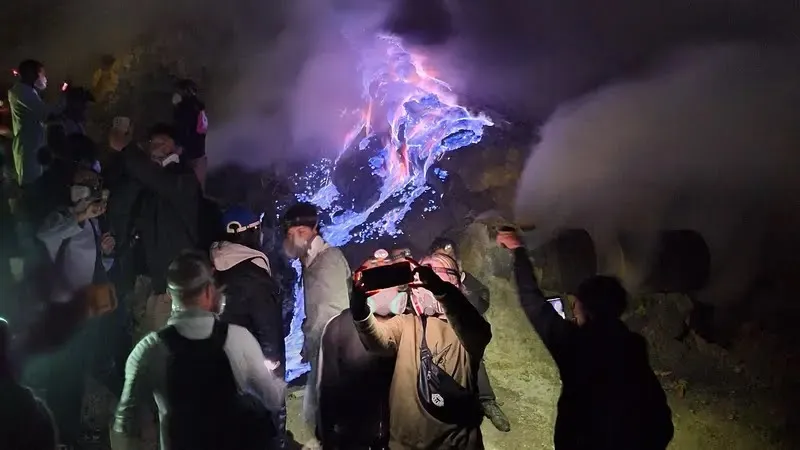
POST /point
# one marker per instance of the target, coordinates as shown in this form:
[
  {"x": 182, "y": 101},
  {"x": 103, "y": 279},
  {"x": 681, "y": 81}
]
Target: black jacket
[
  {"x": 187, "y": 114},
  {"x": 353, "y": 389},
  {"x": 610, "y": 398},
  {"x": 252, "y": 299},
  {"x": 154, "y": 212}
]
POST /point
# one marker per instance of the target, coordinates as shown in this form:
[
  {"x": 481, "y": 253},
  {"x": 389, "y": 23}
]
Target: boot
[{"x": 492, "y": 410}]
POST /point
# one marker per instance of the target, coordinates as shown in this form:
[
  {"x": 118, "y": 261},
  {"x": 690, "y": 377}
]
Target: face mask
[
  {"x": 171, "y": 159},
  {"x": 425, "y": 303},
  {"x": 388, "y": 302},
  {"x": 296, "y": 247},
  {"x": 40, "y": 83},
  {"x": 78, "y": 193},
  {"x": 176, "y": 98}
]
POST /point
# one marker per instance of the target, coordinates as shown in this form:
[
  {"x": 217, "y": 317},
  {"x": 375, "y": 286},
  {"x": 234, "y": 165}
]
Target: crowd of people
[{"x": 394, "y": 365}]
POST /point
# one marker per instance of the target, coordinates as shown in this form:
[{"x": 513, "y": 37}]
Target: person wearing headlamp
[{"x": 433, "y": 400}]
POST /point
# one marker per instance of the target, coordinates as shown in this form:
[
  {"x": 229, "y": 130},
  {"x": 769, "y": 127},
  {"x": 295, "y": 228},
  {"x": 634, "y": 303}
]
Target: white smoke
[{"x": 709, "y": 141}]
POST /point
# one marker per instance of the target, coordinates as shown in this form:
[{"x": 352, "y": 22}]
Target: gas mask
[
  {"x": 424, "y": 303},
  {"x": 40, "y": 83},
  {"x": 176, "y": 98},
  {"x": 219, "y": 303},
  {"x": 81, "y": 193},
  {"x": 388, "y": 302}
]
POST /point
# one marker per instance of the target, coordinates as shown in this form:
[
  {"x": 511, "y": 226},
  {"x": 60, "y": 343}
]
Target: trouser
[
  {"x": 485, "y": 391},
  {"x": 311, "y": 396},
  {"x": 200, "y": 167}
]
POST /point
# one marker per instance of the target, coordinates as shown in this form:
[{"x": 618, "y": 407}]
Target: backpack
[{"x": 207, "y": 411}]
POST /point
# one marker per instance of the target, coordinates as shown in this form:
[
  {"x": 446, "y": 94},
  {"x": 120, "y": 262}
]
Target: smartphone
[
  {"x": 383, "y": 277},
  {"x": 558, "y": 304}
]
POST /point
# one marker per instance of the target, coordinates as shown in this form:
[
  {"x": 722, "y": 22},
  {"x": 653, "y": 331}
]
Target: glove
[
  {"x": 431, "y": 281},
  {"x": 358, "y": 299}
]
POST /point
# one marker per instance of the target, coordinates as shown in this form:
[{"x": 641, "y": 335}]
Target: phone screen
[
  {"x": 383, "y": 277},
  {"x": 558, "y": 304}
]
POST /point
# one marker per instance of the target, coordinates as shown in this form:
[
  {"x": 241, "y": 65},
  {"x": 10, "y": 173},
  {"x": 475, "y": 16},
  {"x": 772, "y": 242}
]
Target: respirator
[{"x": 171, "y": 159}]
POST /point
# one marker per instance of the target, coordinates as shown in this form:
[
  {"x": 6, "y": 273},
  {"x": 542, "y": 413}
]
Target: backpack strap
[
  {"x": 219, "y": 334},
  {"x": 171, "y": 338},
  {"x": 174, "y": 341},
  {"x": 424, "y": 351}
]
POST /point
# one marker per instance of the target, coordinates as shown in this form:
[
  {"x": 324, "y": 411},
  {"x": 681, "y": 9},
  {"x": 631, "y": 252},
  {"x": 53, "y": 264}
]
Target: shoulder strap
[
  {"x": 219, "y": 334},
  {"x": 423, "y": 343},
  {"x": 170, "y": 337}
]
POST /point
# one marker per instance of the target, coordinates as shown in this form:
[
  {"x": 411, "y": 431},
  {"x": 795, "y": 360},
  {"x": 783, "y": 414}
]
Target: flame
[{"x": 423, "y": 122}]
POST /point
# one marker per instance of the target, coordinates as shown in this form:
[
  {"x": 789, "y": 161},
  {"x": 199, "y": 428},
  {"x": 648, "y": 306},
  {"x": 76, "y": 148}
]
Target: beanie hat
[{"x": 301, "y": 214}]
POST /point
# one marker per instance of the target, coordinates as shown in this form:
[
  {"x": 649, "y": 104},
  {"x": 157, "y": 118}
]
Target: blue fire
[{"x": 409, "y": 121}]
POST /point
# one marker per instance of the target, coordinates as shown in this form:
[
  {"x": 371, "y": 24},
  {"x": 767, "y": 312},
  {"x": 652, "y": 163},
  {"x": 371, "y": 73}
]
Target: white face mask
[
  {"x": 296, "y": 247},
  {"x": 40, "y": 83},
  {"x": 171, "y": 159},
  {"x": 176, "y": 98}
]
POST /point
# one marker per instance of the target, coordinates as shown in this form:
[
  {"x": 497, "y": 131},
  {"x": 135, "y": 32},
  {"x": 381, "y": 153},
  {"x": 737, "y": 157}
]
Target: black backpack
[{"x": 206, "y": 409}]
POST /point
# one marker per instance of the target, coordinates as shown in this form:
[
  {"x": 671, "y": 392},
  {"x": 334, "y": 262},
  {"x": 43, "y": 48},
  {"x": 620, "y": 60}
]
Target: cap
[{"x": 237, "y": 219}]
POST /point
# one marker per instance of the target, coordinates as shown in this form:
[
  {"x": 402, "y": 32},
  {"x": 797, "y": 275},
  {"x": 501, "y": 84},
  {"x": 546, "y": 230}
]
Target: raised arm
[
  {"x": 472, "y": 329},
  {"x": 551, "y": 328}
]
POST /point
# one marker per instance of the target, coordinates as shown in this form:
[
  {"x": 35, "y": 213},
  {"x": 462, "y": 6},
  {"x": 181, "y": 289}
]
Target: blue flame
[{"x": 409, "y": 122}]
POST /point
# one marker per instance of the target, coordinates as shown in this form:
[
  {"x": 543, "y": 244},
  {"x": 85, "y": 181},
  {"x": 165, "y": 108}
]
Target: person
[
  {"x": 154, "y": 211},
  {"x": 326, "y": 287},
  {"x": 105, "y": 79},
  {"x": 345, "y": 366},
  {"x": 73, "y": 239},
  {"x": 252, "y": 299},
  {"x": 433, "y": 401},
  {"x": 191, "y": 125},
  {"x": 76, "y": 104},
  {"x": 29, "y": 114},
  {"x": 201, "y": 372},
  {"x": 25, "y": 420},
  {"x": 478, "y": 295},
  {"x": 610, "y": 397}
]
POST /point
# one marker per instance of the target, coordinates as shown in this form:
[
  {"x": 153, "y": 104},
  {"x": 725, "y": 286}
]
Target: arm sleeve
[
  {"x": 57, "y": 227},
  {"x": 180, "y": 189},
  {"x": 260, "y": 380},
  {"x": 381, "y": 336},
  {"x": 328, "y": 295},
  {"x": 136, "y": 393},
  {"x": 551, "y": 328},
  {"x": 472, "y": 329}
]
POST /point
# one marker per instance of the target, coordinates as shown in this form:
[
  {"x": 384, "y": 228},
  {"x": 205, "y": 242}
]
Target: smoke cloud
[{"x": 707, "y": 140}]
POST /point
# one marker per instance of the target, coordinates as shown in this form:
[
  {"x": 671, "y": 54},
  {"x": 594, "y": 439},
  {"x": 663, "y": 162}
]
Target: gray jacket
[
  {"x": 326, "y": 288},
  {"x": 146, "y": 374}
]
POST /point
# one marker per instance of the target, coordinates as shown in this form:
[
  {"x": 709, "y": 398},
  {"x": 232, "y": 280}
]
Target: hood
[{"x": 226, "y": 255}]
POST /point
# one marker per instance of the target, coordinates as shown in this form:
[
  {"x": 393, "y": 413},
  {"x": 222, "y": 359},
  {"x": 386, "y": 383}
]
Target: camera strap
[{"x": 440, "y": 395}]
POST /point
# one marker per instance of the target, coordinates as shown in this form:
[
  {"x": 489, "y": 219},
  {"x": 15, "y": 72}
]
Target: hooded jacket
[
  {"x": 251, "y": 296},
  {"x": 610, "y": 398},
  {"x": 457, "y": 345}
]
